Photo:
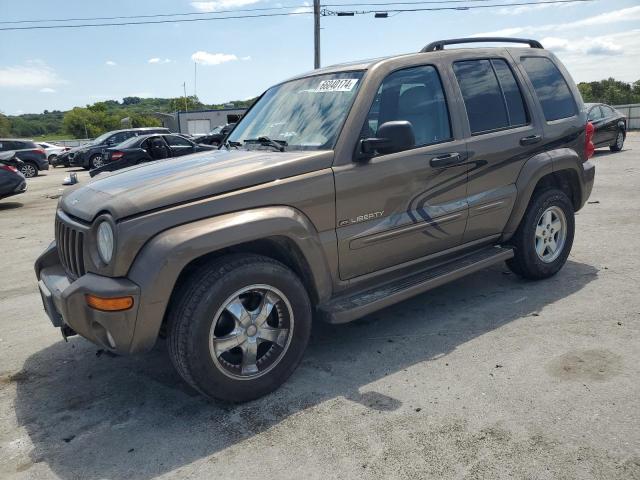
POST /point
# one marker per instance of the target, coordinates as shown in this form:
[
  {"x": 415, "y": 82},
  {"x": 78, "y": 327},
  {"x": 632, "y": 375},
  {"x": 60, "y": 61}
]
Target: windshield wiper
[
  {"x": 264, "y": 140},
  {"x": 229, "y": 143}
]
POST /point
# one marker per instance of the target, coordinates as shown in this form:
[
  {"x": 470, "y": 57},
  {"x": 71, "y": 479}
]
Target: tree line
[
  {"x": 94, "y": 120},
  {"x": 100, "y": 117}
]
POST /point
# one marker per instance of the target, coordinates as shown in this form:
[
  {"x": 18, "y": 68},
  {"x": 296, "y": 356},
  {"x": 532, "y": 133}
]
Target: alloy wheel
[
  {"x": 551, "y": 233},
  {"x": 251, "y": 332},
  {"x": 619, "y": 141},
  {"x": 97, "y": 162},
  {"x": 28, "y": 170}
]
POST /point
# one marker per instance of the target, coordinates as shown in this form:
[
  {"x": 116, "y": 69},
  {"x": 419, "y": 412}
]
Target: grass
[{"x": 52, "y": 137}]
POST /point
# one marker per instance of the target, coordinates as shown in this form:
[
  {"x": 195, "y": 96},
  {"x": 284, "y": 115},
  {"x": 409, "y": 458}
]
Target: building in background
[{"x": 199, "y": 121}]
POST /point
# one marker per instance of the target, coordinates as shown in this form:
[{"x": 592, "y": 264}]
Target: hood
[{"x": 168, "y": 182}]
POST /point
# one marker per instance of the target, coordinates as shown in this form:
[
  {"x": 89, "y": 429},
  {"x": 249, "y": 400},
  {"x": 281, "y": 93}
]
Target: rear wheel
[
  {"x": 239, "y": 327},
  {"x": 619, "y": 143},
  {"x": 29, "y": 170},
  {"x": 544, "y": 238}
]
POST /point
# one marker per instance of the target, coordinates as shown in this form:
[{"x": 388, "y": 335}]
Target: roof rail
[{"x": 439, "y": 44}]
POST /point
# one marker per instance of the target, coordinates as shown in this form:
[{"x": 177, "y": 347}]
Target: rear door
[
  {"x": 502, "y": 135},
  {"x": 179, "y": 145},
  {"x": 596, "y": 118},
  {"x": 610, "y": 123},
  {"x": 398, "y": 207}
]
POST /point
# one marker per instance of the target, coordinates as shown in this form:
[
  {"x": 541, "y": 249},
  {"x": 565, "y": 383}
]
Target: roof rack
[{"x": 439, "y": 44}]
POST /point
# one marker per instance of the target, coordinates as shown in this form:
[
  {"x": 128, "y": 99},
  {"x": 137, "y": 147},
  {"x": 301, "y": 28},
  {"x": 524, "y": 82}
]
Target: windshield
[
  {"x": 130, "y": 142},
  {"x": 101, "y": 138},
  {"x": 215, "y": 130},
  {"x": 307, "y": 113}
]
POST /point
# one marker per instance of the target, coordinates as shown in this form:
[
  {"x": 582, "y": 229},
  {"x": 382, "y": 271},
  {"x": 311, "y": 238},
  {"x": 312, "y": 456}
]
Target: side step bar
[{"x": 359, "y": 304}]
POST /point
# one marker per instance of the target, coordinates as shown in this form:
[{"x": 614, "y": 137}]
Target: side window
[
  {"x": 594, "y": 114},
  {"x": 177, "y": 141},
  {"x": 415, "y": 95},
  {"x": 491, "y": 95},
  {"x": 551, "y": 88},
  {"x": 606, "y": 111},
  {"x": 512, "y": 94},
  {"x": 482, "y": 96}
]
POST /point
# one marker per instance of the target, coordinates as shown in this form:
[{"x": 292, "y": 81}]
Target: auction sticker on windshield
[{"x": 339, "y": 85}]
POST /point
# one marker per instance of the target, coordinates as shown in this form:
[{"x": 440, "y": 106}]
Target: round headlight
[{"x": 105, "y": 241}]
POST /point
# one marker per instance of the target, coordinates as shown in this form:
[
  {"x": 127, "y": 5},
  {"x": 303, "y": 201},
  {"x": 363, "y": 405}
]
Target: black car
[
  {"x": 216, "y": 136},
  {"x": 90, "y": 155},
  {"x": 610, "y": 126},
  {"x": 147, "y": 148},
  {"x": 33, "y": 156},
  {"x": 12, "y": 182}
]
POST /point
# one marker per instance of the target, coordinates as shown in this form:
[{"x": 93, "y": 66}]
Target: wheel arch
[
  {"x": 561, "y": 169},
  {"x": 280, "y": 233}
]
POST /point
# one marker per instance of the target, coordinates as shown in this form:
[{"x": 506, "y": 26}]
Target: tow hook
[{"x": 67, "y": 332}]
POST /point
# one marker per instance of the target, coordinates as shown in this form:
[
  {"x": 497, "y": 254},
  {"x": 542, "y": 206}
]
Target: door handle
[
  {"x": 530, "y": 140},
  {"x": 445, "y": 160}
]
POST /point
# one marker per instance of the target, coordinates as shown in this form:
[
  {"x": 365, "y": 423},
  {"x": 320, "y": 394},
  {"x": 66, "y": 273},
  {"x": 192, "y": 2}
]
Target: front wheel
[
  {"x": 96, "y": 161},
  {"x": 239, "y": 327},
  {"x": 619, "y": 143},
  {"x": 544, "y": 238}
]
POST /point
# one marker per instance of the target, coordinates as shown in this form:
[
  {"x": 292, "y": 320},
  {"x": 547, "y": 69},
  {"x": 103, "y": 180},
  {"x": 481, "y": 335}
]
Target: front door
[{"x": 397, "y": 207}]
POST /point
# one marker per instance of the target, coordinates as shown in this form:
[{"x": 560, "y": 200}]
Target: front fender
[{"x": 160, "y": 262}]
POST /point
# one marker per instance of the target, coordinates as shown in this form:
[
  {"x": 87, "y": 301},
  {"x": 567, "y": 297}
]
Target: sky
[{"x": 239, "y": 58}]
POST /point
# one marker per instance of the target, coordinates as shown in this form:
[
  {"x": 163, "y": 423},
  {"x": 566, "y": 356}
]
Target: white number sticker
[{"x": 339, "y": 85}]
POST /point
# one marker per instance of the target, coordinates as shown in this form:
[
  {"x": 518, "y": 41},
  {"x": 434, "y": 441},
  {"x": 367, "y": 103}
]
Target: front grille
[{"x": 70, "y": 244}]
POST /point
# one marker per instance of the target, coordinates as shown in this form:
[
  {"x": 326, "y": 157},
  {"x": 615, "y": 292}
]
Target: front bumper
[{"x": 64, "y": 301}]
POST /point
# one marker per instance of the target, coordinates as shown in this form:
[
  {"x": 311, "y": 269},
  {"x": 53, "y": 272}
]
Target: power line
[
  {"x": 325, "y": 12},
  {"x": 287, "y": 7},
  {"x": 156, "y": 15}
]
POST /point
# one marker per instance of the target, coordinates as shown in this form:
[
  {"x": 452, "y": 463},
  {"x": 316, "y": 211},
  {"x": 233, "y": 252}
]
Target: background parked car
[
  {"x": 90, "y": 155},
  {"x": 33, "y": 156},
  {"x": 217, "y": 135},
  {"x": 610, "y": 126},
  {"x": 52, "y": 151},
  {"x": 12, "y": 182},
  {"x": 147, "y": 148}
]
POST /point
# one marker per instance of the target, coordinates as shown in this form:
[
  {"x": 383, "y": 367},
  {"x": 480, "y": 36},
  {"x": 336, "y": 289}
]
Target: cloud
[
  {"x": 155, "y": 60},
  {"x": 520, "y": 9},
  {"x": 34, "y": 74},
  {"x": 616, "y": 16},
  {"x": 206, "y": 58},
  {"x": 307, "y": 8},
  {"x": 583, "y": 46},
  {"x": 110, "y": 63},
  {"x": 215, "y": 6},
  {"x": 245, "y": 59},
  {"x": 47, "y": 90}
]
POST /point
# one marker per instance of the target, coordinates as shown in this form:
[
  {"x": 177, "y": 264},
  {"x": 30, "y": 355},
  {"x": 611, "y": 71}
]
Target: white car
[{"x": 52, "y": 151}]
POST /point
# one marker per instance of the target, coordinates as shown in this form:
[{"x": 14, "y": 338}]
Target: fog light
[{"x": 114, "y": 304}]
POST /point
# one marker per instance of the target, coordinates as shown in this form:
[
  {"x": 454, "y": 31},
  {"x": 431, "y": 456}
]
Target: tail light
[
  {"x": 589, "y": 148},
  {"x": 8, "y": 168},
  {"x": 40, "y": 150},
  {"x": 116, "y": 155}
]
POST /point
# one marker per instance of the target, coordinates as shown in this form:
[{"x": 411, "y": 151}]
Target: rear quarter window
[{"x": 551, "y": 88}]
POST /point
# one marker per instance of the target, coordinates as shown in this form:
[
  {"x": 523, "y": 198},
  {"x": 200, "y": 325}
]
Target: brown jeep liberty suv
[{"x": 340, "y": 192}]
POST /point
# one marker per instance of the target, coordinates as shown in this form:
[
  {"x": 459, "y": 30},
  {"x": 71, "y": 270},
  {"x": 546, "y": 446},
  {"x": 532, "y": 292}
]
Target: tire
[
  {"x": 52, "y": 158},
  {"x": 29, "y": 170},
  {"x": 198, "y": 320},
  {"x": 619, "y": 143},
  {"x": 529, "y": 241},
  {"x": 95, "y": 161}
]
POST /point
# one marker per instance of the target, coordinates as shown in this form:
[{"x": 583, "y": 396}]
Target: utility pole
[
  {"x": 316, "y": 34},
  {"x": 184, "y": 86}
]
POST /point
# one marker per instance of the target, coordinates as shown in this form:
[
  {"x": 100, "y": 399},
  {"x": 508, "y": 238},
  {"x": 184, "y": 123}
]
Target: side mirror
[{"x": 393, "y": 137}]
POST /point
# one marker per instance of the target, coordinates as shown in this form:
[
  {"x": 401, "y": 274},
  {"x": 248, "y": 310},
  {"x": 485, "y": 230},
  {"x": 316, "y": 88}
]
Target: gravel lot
[{"x": 489, "y": 377}]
